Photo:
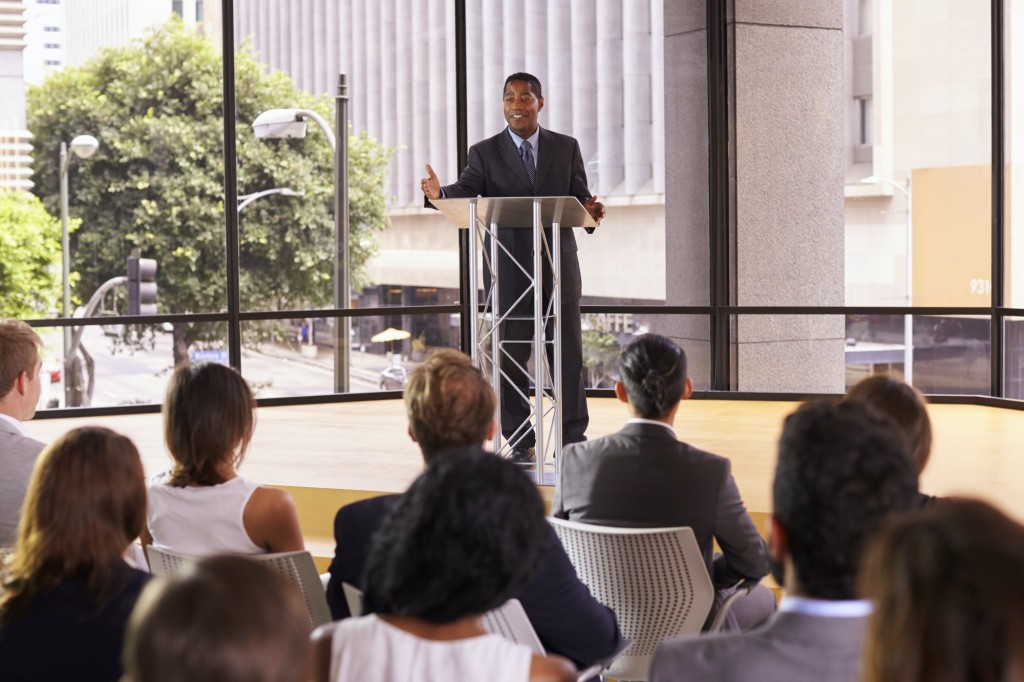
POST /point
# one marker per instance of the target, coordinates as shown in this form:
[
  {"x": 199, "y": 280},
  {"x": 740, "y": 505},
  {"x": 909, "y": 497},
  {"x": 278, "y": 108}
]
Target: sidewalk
[{"x": 362, "y": 364}]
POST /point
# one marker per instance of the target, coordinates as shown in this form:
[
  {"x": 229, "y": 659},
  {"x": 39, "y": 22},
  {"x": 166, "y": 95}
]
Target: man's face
[{"x": 522, "y": 108}]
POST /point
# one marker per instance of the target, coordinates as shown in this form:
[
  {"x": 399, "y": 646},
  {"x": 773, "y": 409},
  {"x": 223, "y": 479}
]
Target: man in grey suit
[
  {"x": 20, "y": 387},
  {"x": 525, "y": 160},
  {"x": 843, "y": 470},
  {"x": 643, "y": 476}
]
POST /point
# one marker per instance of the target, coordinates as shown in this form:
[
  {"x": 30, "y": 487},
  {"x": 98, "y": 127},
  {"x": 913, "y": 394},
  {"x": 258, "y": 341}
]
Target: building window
[
  {"x": 51, "y": 29},
  {"x": 176, "y": 7},
  {"x": 47, "y": 2},
  {"x": 199, "y": 11},
  {"x": 52, "y": 46},
  {"x": 52, "y": 62}
]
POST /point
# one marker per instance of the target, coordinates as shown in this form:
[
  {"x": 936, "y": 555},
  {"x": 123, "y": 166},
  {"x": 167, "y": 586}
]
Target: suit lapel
[
  {"x": 510, "y": 155},
  {"x": 545, "y": 153}
]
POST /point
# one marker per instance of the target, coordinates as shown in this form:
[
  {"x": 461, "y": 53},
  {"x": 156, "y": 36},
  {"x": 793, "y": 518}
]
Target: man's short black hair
[
  {"x": 464, "y": 538},
  {"x": 529, "y": 78},
  {"x": 843, "y": 470}
]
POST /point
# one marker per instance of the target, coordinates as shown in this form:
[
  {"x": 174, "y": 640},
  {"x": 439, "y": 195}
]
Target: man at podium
[{"x": 524, "y": 160}]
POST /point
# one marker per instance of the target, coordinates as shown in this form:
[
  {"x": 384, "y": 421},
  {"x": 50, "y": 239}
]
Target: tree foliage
[
  {"x": 157, "y": 181},
  {"x": 30, "y": 266}
]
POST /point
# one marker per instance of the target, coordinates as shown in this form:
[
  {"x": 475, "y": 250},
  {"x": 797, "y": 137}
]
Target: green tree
[
  {"x": 30, "y": 266},
  {"x": 156, "y": 182}
]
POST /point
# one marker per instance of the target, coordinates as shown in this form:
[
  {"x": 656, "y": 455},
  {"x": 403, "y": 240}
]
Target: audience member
[
  {"x": 229, "y": 619},
  {"x": 461, "y": 541},
  {"x": 202, "y": 506},
  {"x": 67, "y": 592},
  {"x": 450, "y": 404},
  {"x": 20, "y": 387},
  {"x": 843, "y": 471},
  {"x": 949, "y": 602},
  {"x": 905, "y": 405},
  {"x": 643, "y": 476}
]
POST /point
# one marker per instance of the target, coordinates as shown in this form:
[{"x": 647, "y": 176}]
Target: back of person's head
[
  {"x": 208, "y": 420},
  {"x": 528, "y": 78},
  {"x": 460, "y": 542},
  {"x": 842, "y": 471},
  {"x": 949, "y": 601},
  {"x": 653, "y": 371},
  {"x": 86, "y": 502},
  {"x": 229, "y": 619},
  {"x": 905, "y": 405},
  {"x": 449, "y": 403},
  {"x": 19, "y": 352}
]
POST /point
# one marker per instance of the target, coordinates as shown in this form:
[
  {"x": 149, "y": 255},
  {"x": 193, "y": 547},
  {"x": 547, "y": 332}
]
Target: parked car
[{"x": 393, "y": 378}]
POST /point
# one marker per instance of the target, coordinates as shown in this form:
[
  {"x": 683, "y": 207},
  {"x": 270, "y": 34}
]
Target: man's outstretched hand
[
  {"x": 432, "y": 188},
  {"x": 594, "y": 207}
]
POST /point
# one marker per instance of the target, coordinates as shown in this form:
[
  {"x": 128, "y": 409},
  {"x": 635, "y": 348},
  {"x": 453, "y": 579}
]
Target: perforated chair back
[
  {"x": 511, "y": 622},
  {"x": 298, "y": 568},
  {"x": 654, "y": 579}
]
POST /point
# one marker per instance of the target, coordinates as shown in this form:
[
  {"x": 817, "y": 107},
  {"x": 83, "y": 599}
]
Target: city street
[{"x": 274, "y": 370}]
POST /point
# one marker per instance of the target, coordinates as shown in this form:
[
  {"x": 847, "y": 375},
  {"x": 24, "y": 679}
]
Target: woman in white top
[
  {"x": 460, "y": 542},
  {"x": 202, "y": 506}
]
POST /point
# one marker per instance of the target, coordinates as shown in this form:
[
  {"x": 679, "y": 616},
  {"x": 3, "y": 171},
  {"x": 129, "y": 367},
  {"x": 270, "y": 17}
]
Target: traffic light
[{"x": 141, "y": 286}]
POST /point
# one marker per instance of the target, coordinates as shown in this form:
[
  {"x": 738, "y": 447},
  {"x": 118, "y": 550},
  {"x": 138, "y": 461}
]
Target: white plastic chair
[
  {"x": 654, "y": 579},
  {"x": 508, "y": 620},
  {"x": 298, "y": 568}
]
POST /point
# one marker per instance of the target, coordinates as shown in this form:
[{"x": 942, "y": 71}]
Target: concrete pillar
[{"x": 785, "y": 80}]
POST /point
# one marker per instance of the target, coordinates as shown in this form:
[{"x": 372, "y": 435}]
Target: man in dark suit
[
  {"x": 843, "y": 471},
  {"x": 525, "y": 160},
  {"x": 20, "y": 386},
  {"x": 644, "y": 477},
  {"x": 450, "y": 405}
]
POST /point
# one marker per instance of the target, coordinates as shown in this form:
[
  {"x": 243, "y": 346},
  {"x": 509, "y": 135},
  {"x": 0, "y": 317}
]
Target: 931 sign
[{"x": 981, "y": 287}]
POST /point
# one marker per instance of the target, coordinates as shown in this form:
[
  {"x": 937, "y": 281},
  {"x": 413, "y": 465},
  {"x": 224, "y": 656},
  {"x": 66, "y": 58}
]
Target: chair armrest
[{"x": 743, "y": 588}]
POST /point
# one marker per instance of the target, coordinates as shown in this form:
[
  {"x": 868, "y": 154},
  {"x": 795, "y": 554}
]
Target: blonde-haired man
[{"x": 19, "y": 392}]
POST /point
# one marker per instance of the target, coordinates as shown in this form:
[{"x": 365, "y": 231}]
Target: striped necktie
[{"x": 526, "y": 151}]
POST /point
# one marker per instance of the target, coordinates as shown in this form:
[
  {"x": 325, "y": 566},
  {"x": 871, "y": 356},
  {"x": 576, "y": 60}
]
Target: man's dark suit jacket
[
  {"x": 567, "y": 618},
  {"x": 495, "y": 169},
  {"x": 644, "y": 477}
]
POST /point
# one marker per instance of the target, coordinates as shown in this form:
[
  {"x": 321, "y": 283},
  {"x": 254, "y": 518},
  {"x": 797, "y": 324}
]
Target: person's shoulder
[
  {"x": 361, "y": 511},
  {"x": 714, "y": 656},
  {"x": 551, "y": 669},
  {"x": 561, "y": 138},
  {"x": 710, "y": 459}
]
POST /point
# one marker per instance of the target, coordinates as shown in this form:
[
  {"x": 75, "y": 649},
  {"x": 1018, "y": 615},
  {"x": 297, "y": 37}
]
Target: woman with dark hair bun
[
  {"x": 66, "y": 592},
  {"x": 644, "y": 477},
  {"x": 202, "y": 507},
  {"x": 460, "y": 542}
]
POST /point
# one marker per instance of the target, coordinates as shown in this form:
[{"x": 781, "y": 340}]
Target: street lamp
[
  {"x": 247, "y": 199},
  {"x": 291, "y": 123},
  {"x": 908, "y": 320},
  {"x": 83, "y": 147}
]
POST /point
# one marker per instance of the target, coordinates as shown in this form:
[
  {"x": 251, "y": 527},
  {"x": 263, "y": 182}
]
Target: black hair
[
  {"x": 653, "y": 370},
  {"x": 528, "y": 78},
  {"x": 461, "y": 541},
  {"x": 843, "y": 470}
]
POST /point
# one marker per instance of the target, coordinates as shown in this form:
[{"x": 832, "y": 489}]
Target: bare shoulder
[
  {"x": 552, "y": 669},
  {"x": 272, "y": 521}
]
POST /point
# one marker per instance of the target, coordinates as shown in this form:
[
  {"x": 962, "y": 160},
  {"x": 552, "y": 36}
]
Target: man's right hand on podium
[{"x": 430, "y": 185}]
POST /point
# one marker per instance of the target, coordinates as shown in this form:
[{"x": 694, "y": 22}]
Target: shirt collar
[
  {"x": 17, "y": 424},
  {"x": 532, "y": 138},
  {"x": 641, "y": 420},
  {"x": 826, "y": 608}
]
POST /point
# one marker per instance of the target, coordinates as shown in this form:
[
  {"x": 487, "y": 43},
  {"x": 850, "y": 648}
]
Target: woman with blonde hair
[
  {"x": 201, "y": 506},
  {"x": 66, "y": 591}
]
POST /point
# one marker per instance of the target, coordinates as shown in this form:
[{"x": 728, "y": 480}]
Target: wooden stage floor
[{"x": 363, "y": 447}]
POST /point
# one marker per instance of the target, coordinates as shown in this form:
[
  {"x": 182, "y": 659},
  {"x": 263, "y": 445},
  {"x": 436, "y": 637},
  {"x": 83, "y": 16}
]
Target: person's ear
[
  {"x": 21, "y": 383},
  {"x": 540, "y": 104},
  {"x": 687, "y": 389},
  {"x": 412, "y": 436},
  {"x": 620, "y": 392},
  {"x": 493, "y": 430},
  {"x": 778, "y": 541}
]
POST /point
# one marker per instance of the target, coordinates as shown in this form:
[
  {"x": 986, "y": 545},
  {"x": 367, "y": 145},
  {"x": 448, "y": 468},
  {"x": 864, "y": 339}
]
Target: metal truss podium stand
[{"x": 484, "y": 217}]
